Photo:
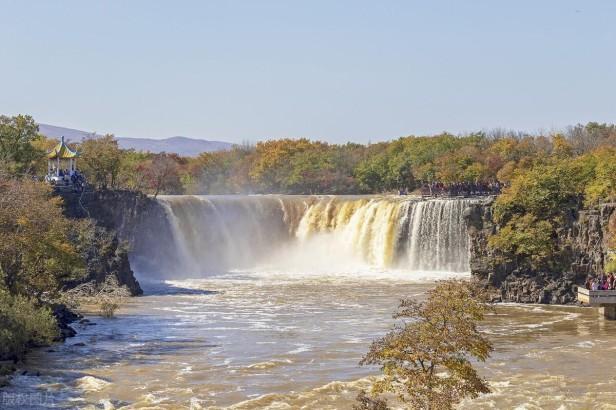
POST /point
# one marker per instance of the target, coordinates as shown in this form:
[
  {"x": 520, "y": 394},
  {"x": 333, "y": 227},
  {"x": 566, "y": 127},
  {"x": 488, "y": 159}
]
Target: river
[{"x": 290, "y": 333}]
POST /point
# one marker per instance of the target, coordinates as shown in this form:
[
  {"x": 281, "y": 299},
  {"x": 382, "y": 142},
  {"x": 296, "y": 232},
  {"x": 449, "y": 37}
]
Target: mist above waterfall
[{"x": 311, "y": 234}]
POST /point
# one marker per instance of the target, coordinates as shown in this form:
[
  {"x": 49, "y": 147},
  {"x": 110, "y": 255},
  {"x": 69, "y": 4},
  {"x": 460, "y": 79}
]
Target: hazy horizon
[
  {"x": 500, "y": 130},
  {"x": 338, "y": 72}
]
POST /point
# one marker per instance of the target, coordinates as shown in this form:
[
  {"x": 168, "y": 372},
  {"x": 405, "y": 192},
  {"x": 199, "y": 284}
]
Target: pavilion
[{"x": 61, "y": 157}]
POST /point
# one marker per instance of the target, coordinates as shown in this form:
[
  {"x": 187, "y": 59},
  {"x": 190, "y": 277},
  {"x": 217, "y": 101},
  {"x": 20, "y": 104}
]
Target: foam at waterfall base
[
  {"x": 365, "y": 274},
  {"x": 323, "y": 255},
  {"x": 269, "y": 274}
]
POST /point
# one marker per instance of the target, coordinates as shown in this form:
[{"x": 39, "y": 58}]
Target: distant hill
[
  {"x": 51, "y": 131},
  {"x": 188, "y": 147}
]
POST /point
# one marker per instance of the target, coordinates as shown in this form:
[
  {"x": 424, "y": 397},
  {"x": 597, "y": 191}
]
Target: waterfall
[
  {"x": 214, "y": 234},
  {"x": 437, "y": 238}
]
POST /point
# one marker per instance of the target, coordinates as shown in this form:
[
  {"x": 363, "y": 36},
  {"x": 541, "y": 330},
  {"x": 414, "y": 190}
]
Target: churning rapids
[{"x": 270, "y": 302}]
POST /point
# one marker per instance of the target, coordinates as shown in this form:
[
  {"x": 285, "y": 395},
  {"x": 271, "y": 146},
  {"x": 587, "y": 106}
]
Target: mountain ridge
[{"x": 180, "y": 145}]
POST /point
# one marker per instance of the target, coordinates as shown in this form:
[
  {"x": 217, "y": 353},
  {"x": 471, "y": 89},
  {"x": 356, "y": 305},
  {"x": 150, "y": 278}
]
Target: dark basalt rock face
[
  {"x": 583, "y": 241},
  {"x": 120, "y": 218},
  {"x": 106, "y": 256},
  {"x": 64, "y": 317},
  {"x": 138, "y": 221}
]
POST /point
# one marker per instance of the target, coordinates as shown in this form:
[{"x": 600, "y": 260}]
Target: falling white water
[
  {"x": 214, "y": 234},
  {"x": 438, "y": 239}
]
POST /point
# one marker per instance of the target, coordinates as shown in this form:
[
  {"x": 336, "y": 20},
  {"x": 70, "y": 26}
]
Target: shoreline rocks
[{"x": 64, "y": 316}]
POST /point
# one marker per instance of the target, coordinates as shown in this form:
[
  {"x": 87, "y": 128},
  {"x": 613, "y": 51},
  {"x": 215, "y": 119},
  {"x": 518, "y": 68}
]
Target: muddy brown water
[{"x": 248, "y": 341}]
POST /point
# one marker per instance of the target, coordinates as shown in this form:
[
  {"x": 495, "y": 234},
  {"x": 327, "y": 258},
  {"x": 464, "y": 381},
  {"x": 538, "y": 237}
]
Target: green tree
[
  {"x": 100, "y": 161},
  {"x": 548, "y": 191},
  {"x": 23, "y": 323},
  {"x": 17, "y": 153},
  {"x": 130, "y": 175},
  {"x": 309, "y": 171},
  {"x": 371, "y": 173},
  {"x": 525, "y": 238},
  {"x": 602, "y": 185},
  {"x": 387, "y": 170},
  {"x": 426, "y": 361}
]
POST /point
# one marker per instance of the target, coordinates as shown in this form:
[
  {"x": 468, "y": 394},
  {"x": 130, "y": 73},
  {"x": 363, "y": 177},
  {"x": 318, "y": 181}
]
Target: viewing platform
[
  {"x": 605, "y": 300},
  {"x": 62, "y": 171}
]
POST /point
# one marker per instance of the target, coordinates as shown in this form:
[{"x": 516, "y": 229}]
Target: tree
[
  {"x": 539, "y": 201},
  {"x": 220, "y": 172},
  {"x": 39, "y": 254},
  {"x": 272, "y": 164},
  {"x": 426, "y": 361},
  {"x": 549, "y": 191},
  {"x": 561, "y": 147},
  {"x": 42, "y": 145},
  {"x": 23, "y": 323},
  {"x": 371, "y": 173},
  {"x": 36, "y": 252},
  {"x": 161, "y": 174},
  {"x": 100, "y": 161},
  {"x": 602, "y": 186},
  {"x": 130, "y": 175},
  {"x": 17, "y": 153},
  {"x": 525, "y": 239},
  {"x": 586, "y": 138}
]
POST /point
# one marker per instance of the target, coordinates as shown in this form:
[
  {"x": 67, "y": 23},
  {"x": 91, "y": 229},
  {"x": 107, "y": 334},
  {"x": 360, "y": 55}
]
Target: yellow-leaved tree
[
  {"x": 426, "y": 361},
  {"x": 36, "y": 254},
  {"x": 36, "y": 257}
]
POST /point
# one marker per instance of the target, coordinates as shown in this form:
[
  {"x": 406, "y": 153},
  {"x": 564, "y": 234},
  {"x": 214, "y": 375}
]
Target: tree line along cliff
[{"x": 303, "y": 166}]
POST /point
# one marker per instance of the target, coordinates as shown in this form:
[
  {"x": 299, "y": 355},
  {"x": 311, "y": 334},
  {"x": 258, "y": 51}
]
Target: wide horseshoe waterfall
[{"x": 214, "y": 234}]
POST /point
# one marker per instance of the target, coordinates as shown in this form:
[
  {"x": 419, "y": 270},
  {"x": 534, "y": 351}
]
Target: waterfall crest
[{"x": 214, "y": 234}]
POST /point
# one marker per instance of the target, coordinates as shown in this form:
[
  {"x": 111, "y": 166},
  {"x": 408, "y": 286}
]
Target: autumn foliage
[{"x": 427, "y": 360}]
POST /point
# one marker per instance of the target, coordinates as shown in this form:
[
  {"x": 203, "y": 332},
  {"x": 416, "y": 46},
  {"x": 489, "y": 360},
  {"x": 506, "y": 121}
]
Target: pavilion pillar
[{"x": 58, "y": 167}]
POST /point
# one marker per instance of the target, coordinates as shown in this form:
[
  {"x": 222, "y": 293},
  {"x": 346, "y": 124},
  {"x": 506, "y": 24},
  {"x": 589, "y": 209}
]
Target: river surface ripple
[{"x": 246, "y": 341}]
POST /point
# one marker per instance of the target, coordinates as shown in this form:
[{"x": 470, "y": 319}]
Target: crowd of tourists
[
  {"x": 67, "y": 178},
  {"x": 461, "y": 188},
  {"x": 602, "y": 282}
]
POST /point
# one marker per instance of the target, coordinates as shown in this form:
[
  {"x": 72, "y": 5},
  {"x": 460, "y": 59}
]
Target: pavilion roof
[{"x": 62, "y": 151}]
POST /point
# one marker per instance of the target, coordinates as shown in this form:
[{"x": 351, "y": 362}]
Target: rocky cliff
[
  {"x": 139, "y": 221},
  {"x": 118, "y": 216},
  {"x": 583, "y": 240}
]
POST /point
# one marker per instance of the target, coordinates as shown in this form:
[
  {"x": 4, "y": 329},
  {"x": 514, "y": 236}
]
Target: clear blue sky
[{"x": 332, "y": 70}]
